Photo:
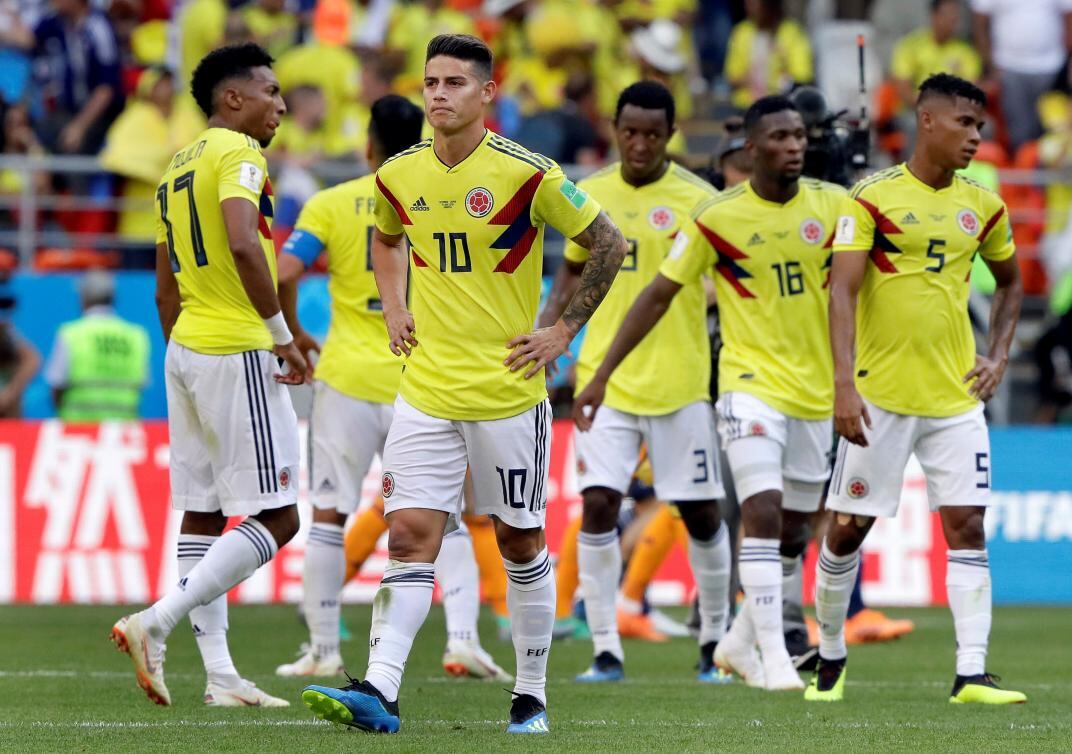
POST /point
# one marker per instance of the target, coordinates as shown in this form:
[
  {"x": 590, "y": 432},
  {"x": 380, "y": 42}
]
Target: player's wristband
[{"x": 277, "y": 326}]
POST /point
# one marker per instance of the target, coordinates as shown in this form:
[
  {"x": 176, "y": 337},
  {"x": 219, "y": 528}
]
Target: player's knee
[
  {"x": 518, "y": 545},
  {"x": 964, "y": 528},
  {"x": 701, "y": 518},
  {"x": 795, "y": 533},
  {"x": 845, "y": 534},
  {"x": 328, "y": 516},
  {"x": 283, "y": 523},
  {"x": 762, "y": 515},
  {"x": 600, "y": 511},
  {"x": 210, "y": 524}
]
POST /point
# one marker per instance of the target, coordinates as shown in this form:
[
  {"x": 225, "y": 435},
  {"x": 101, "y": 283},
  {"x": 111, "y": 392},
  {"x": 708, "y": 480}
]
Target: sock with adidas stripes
[
  {"x": 209, "y": 621},
  {"x": 530, "y": 596},
  {"x": 459, "y": 579},
  {"x": 967, "y": 583},
  {"x": 710, "y": 563},
  {"x": 599, "y": 562},
  {"x": 761, "y": 578},
  {"x": 322, "y": 579},
  {"x": 835, "y": 576},
  {"x": 229, "y": 561},
  {"x": 398, "y": 612}
]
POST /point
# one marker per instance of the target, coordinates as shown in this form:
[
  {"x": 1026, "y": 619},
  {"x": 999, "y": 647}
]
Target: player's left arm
[
  {"x": 1004, "y": 314},
  {"x": 298, "y": 254},
  {"x": 168, "y": 303},
  {"x": 607, "y": 248}
]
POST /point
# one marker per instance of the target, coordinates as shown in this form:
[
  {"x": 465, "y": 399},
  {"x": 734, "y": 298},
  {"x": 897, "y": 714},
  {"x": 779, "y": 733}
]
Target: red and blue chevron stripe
[
  {"x": 884, "y": 228},
  {"x": 728, "y": 256},
  {"x": 520, "y": 233},
  {"x": 266, "y": 209}
]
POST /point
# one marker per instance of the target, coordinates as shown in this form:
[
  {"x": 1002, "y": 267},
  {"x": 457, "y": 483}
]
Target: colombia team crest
[
  {"x": 479, "y": 201},
  {"x": 811, "y": 231},
  {"x": 968, "y": 222},
  {"x": 661, "y": 218},
  {"x": 388, "y": 485}
]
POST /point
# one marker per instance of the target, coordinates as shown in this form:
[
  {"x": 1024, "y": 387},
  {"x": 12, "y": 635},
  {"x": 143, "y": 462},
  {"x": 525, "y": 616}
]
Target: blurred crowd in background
[{"x": 107, "y": 80}]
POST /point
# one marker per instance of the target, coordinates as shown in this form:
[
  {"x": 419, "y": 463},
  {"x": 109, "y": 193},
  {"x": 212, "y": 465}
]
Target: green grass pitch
[{"x": 63, "y": 688}]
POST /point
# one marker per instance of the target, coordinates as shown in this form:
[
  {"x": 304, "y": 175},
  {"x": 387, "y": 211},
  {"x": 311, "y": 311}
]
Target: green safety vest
[{"x": 107, "y": 367}]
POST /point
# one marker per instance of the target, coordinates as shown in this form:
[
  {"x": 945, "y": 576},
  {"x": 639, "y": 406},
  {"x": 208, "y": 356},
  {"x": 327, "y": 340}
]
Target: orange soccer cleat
[
  {"x": 872, "y": 625},
  {"x": 639, "y": 626}
]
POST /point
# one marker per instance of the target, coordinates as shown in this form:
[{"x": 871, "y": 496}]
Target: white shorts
[
  {"x": 345, "y": 434},
  {"x": 768, "y": 450},
  {"x": 680, "y": 445},
  {"x": 233, "y": 432},
  {"x": 425, "y": 459},
  {"x": 954, "y": 453}
]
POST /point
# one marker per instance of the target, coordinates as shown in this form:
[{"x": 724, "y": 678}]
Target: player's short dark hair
[
  {"x": 234, "y": 61},
  {"x": 650, "y": 95},
  {"x": 948, "y": 85},
  {"x": 395, "y": 124},
  {"x": 463, "y": 47},
  {"x": 936, "y": 4},
  {"x": 764, "y": 106}
]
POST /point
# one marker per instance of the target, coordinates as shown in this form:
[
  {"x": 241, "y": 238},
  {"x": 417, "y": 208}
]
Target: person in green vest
[{"x": 99, "y": 364}]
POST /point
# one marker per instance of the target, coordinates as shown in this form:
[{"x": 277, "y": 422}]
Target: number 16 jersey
[
  {"x": 476, "y": 233},
  {"x": 217, "y": 316}
]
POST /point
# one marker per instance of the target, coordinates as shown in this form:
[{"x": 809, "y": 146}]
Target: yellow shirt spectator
[
  {"x": 334, "y": 70},
  {"x": 919, "y": 54},
  {"x": 272, "y": 26},
  {"x": 412, "y": 26},
  {"x": 201, "y": 30},
  {"x": 759, "y": 62}
]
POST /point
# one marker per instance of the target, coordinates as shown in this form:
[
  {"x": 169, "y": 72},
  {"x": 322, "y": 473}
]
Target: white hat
[
  {"x": 659, "y": 45},
  {"x": 498, "y": 7}
]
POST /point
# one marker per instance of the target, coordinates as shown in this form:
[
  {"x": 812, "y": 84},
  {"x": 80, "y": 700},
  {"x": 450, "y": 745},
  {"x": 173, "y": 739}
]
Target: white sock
[
  {"x": 835, "y": 577},
  {"x": 398, "y": 612},
  {"x": 325, "y": 569},
  {"x": 459, "y": 579},
  {"x": 228, "y": 562},
  {"x": 530, "y": 597},
  {"x": 792, "y": 594},
  {"x": 599, "y": 566},
  {"x": 761, "y": 578},
  {"x": 710, "y": 563},
  {"x": 967, "y": 582},
  {"x": 209, "y": 621}
]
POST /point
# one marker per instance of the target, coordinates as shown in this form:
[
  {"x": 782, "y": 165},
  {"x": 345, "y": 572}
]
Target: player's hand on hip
[
  {"x": 308, "y": 345},
  {"x": 587, "y": 403},
  {"x": 987, "y": 374},
  {"x": 538, "y": 348},
  {"x": 401, "y": 330},
  {"x": 850, "y": 415},
  {"x": 295, "y": 368}
]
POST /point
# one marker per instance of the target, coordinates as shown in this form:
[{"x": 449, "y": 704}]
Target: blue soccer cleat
[
  {"x": 708, "y": 671},
  {"x": 528, "y": 715},
  {"x": 359, "y": 705},
  {"x": 606, "y": 668}
]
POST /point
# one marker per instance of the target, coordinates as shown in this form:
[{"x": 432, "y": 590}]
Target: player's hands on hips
[
  {"x": 987, "y": 374},
  {"x": 307, "y": 344},
  {"x": 588, "y": 402},
  {"x": 850, "y": 414},
  {"x": 539, "y": 348},
  {"x": 401, "y": 330},
  {"x": 299, "y": 368}
]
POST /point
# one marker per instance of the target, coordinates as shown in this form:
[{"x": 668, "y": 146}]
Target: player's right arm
[
  {"x": 390, "y": 265},
  {"x": 852, "y": 242},
  {"x": 168, "y": 302},
  {"x": 563, "y": 289},
  {"x": 298, "y": 254}
]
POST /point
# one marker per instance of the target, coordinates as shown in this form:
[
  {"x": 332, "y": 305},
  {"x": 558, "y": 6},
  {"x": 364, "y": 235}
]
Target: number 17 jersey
[{"x": 217, "y": 316}]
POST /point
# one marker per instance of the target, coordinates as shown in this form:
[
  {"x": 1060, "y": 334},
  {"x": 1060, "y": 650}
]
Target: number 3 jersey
[
  {"x": 476, "y": 235},
  {"x": 914, "y": 342},
  {"x": 771, "y": 267},
  {"x": 217, "y": 316},
  {"x": 671, "y": 367}
]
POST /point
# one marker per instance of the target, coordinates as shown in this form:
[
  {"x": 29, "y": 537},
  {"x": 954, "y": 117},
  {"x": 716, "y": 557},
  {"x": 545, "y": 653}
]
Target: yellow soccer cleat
[
  {"x": 828, "y": 683},
  {"x": 983, "y": 689}
]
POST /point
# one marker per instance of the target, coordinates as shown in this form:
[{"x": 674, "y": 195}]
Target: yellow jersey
[
  {"x": 355, "y": 359},
  {"x": 476, "y": 235},
  {"x": 760, "y": 63},
  {"x": 201, "y": 28},
  {"x": 914, "y": 341},
  {"x": 336, "y": 72},
  {"x": 771, "y": 268},
  {"x": 671, "y": 367},
  {"x": 918, "y": 55},
  {"x": 217, "y": 316}
]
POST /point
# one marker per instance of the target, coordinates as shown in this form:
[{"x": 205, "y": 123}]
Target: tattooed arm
[{"x": 606, "y": 251}]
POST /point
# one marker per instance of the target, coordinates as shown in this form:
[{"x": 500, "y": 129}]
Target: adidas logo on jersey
[
  {"x": 326, "y": 486},
  {"x": 909, "y": 219},
  {"x": 755, "y": 240},
  {"x": 419, "y": 206}
]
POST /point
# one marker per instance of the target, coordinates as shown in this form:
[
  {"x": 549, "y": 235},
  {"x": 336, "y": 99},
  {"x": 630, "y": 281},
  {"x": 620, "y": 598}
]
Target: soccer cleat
[
  {"x": 709, "y": 672},
  {"x": 359, "y": 704},
  {"x": 606, "y": 668},
  {"x": 469, "y": 660},
  {"x": 309, "y": 664},
  {"x": 570, "y": 627},
  {"x": 781, "y": 675},
  {"x": 130, "y": 636},
  {"x": 871, "y": 625},
  {"x": 983, "y": 689},
  {"x": 804, "y": 657},
  {"x": 639, "y": 626},
  {"x": 734, "y": 656},
  {"x": 246, "y": 694},
  {"x": 828, "y": 683},
  {"x": 528, "y": 715}
]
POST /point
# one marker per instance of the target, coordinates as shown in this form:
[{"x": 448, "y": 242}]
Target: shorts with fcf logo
[
  {"x": 425, "y": 459},
  {"x": 232, "y": 430}
]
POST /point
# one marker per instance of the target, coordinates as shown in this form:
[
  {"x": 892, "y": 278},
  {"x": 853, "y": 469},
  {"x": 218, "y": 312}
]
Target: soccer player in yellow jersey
[
  {"x": 353, "y": 396},
  {"x": 660, "y": 394},
  {"x": 473, "y": 207},
  {"x": 231, "y": 426},
  {"x": 907, "y": 378},
  {"x": 766, "y": 242}
]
